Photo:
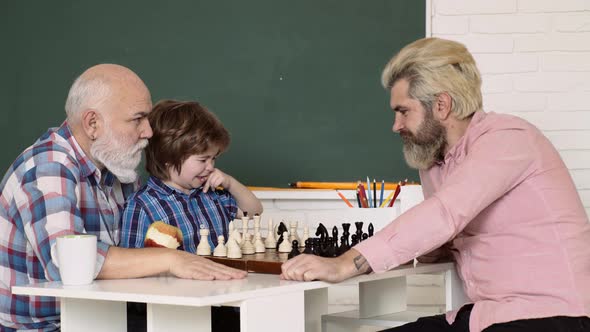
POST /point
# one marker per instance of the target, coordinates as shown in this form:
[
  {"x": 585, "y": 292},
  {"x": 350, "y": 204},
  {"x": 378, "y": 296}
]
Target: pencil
[
  {"x": 363, "y": 195},
  {"x": 344, "y": 199},
  {"x": 397, "y": 191},
  {"x": 381, "y": 196},
  {"x": 374, "y": 193},
  {"x": 334, "y": 185},
  {"x": 384, "y": 204},
  {"x": 369, "y": 190},
  {"x": 358, "y": 199}
]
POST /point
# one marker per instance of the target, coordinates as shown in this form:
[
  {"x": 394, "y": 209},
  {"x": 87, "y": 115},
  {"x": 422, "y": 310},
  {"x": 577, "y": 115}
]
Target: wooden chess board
[{"x": 268, "y": 262}]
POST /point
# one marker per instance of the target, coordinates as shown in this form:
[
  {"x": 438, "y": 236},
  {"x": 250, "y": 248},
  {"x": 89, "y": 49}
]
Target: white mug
[{"x": 76, "y": 258}]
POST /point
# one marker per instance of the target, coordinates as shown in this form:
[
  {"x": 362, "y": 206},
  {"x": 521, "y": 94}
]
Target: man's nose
[
  {"x": 146, "y": 130},
  {"x": 398, "y": 123}
]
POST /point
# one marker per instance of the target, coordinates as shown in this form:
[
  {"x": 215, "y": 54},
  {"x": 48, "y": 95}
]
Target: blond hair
[{"x": 432, "y": 66}]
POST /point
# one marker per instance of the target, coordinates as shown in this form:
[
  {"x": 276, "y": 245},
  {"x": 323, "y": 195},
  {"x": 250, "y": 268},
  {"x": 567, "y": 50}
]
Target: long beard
[
  {"x": 118, "y": 156},
  {"x": 423, "y": 149}
]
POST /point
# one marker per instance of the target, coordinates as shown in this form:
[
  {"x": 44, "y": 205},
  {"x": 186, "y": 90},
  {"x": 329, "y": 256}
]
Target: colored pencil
[
  {"x": 363, "y": 195},
  {"x": 344, "y": 199},
  {"x": 397, "y": 191},
  {"x": 374, "y": 193},
  {"x": 384, "y": 204},
  {"x": 358, "y": 199},
  {"x": 369, "y": 191},
  {"x": 381, "y": 196}
]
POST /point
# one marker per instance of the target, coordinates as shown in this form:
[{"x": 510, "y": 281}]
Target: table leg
[
  {"x": 164, "y": 318},
  {"x": 93, "y": 315},
  {"x": 284, "y": 312},
  {"x": 380, "y": 297}
]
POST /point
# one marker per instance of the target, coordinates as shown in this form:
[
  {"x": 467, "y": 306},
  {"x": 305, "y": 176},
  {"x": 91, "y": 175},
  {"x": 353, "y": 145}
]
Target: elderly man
[
  {"x": 498, "y": 199},
  {"x": 75, "y": 179}
]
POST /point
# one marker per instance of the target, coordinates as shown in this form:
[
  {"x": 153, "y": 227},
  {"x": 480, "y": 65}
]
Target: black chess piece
[
  {"x": 345, "y": 234},
  {"x": 294, "y": 250},
  {"x": 371, "y": 229},
  {"x": 282, "y": 228},
  {"x": 307, "y": 249},
  {"x": 315, "y": 246},
  {"x": 359, "y": 230},
  {"x": 279, "y": 241},
  {"x": 322, "y": 232},
  {"x": 354, "y": 240},
  {"x": 365, "y": 236},
  {"x": 335, "y": 233},
  {"x": 245, "y": 213}
]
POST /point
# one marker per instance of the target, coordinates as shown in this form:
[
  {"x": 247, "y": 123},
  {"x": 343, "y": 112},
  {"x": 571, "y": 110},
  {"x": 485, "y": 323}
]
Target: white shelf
[{"x": 352, "y": 318}]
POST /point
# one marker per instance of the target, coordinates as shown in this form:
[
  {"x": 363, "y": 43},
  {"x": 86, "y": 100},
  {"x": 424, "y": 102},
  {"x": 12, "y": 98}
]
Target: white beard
[{"x": 118, "y": 156}]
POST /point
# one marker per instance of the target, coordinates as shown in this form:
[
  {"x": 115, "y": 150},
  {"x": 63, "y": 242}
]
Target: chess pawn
[
  {"x": 305, "y": 236},
  {"x": 259, "y": 246},
  {"x": 247, "y": 246},
  {"x": 295, "y": 251},
  {"x": 293, "y": 231},
  {"x": 221, "y": 249},
  {"x": 204, "y": 249},
  {"x": 233, "y": 248},
  {"x": 285, "y": 246}
]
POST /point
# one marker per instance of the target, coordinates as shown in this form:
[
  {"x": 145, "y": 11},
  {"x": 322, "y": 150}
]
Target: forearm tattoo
[{"x": 362, "y": 265}]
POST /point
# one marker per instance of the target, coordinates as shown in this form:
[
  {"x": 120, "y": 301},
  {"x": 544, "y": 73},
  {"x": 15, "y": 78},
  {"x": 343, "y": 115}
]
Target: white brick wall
[{"x": 534, "y": 56}]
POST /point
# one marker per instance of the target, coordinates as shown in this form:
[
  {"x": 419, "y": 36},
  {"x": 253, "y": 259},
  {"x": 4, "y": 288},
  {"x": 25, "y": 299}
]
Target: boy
[{"x": 181, "y": 191}]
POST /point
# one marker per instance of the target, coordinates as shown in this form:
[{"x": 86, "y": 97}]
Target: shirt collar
[{"x": 162, "y": 188}]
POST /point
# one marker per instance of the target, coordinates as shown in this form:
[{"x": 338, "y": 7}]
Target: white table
[{"x": 265, "y": 301}]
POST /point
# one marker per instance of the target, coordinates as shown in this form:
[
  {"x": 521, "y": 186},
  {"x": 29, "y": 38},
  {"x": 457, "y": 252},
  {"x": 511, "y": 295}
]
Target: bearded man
[
  {"x": 74, "y": 179},
  {"x": 498, "y": 200}
]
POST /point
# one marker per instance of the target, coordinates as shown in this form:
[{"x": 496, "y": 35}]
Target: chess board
[{"x": 268, "y": 262}]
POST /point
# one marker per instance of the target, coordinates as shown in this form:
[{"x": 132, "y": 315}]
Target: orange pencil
[{"x": 344, "y": 199}]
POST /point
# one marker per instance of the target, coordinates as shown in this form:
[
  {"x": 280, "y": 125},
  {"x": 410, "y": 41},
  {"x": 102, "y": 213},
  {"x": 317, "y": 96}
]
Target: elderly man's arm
[{"x": 123, "y": 263}]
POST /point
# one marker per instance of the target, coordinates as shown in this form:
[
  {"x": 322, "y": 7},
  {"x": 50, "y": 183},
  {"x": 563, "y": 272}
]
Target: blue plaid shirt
[
  {"x": 158, "y": 202},
  {"x": 51, "y": 189}
]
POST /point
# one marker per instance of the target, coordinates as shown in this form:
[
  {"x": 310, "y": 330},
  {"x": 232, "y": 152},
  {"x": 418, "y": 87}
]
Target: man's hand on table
[
  {"x": 190, "y": 266},
  {"x": 310, "y": 267}
]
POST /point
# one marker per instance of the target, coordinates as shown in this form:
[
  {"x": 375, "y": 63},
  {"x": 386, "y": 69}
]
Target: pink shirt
[{"x": 518, "y": 231}]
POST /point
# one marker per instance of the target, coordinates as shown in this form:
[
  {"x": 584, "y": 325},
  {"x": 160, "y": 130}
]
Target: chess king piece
[
  {"x": 247, "y": 246},
  {"x": 204, "y": 249},
  {"x": 233, "y": 248},
  {"x": 270, "y": 241},
  {"x": 221, "y": 249},
  {"x": 295, "y": 249},
  {"x": 285, "y": 245},
  {"x": 258, "y": 244}
]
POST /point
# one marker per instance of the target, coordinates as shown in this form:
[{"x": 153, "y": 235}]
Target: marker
[{"x": 344, "y": 199}]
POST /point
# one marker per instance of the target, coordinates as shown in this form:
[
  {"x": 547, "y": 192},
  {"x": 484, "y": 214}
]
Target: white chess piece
[
  {"x": 236, "y": 235},
  {"x": 305, "y": 236},
  {"x": 247, "y": 246},
  {"x": 270, "y": 241},
  {"x": 293, "y": 231},
  {"x": 204, "y": 249},
  {"x": 258, "y": 244},
  {"x": 245, "y": 220},
  {"x": 256, "y": 223},
  {"x": 221, "y": 249},
  {"x": 233, "y": 248},
  {"x": 285, "y": 246}
]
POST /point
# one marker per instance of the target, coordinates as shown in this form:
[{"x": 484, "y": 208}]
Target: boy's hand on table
[{"x": 190, "y": 266}]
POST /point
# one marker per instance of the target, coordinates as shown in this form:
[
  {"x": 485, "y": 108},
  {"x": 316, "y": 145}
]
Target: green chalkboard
[{"x": 296, "y": 82}]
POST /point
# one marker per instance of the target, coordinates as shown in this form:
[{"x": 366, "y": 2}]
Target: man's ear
[
  {"x": 91, "y": 123},
  {"x": 442, "y": 106}
]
